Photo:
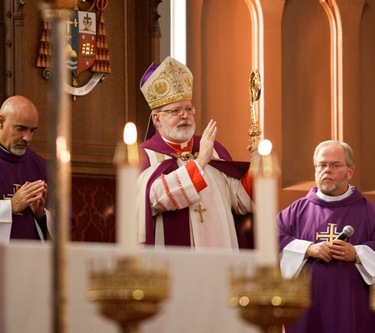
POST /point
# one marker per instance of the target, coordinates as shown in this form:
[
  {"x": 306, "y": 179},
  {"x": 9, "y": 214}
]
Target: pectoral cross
[
  {"x": 200, "y": 210},
  {"x": 328, "y": 235}
]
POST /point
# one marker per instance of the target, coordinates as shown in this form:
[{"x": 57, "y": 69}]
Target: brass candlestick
[
  {"x": 255, "y": 84},
  {"x": 372, "y": 297},
  {"x": 57, "y": 12},
  {"x": 129, "y": 293},
  {"x": 266, "y": 299}
]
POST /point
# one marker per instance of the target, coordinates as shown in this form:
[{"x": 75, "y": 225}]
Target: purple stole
[{"x": 176, "y": 223}]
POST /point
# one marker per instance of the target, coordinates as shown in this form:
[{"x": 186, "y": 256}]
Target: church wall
[
  {"x": 314, "y": 88},
  {"x": 366, "y": 76},
  {"x": 226, "y": 39},
  {"x": 306, "y": 116}
]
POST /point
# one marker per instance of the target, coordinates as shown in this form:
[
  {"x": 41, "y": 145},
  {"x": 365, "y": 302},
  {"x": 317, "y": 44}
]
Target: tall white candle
[
  {"x": 127, "y": 160},
  {"x": 266, "y": 174}
]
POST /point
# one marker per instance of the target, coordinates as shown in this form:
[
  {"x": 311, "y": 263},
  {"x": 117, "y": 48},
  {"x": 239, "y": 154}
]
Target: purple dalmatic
[
  {"x": 14, "y": 172},
  {"x": 340, "y": 296}
]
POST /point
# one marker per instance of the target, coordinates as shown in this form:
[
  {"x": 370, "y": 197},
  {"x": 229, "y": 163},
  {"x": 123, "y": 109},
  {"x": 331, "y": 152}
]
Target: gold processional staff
[{"x": 255, "y": 84}]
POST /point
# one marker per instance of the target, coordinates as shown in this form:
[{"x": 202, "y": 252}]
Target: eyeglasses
[
  {"x": 179, "y": 111},
  {"x": 334, "y": 166}
]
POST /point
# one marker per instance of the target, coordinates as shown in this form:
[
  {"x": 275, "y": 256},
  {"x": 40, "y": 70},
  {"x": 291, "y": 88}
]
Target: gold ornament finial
[{"x": 255, "y": 85}]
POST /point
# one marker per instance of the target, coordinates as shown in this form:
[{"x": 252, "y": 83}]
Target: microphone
[{"x": 345, "y": 233}]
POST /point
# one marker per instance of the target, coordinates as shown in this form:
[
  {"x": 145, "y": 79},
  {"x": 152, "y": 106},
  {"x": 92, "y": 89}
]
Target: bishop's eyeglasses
[
  {"x": 333, "y": 166},
  {"x": 190, "y": 110}
]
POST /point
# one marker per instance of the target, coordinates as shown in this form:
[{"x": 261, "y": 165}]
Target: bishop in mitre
[{"x": 189, "y": 189}]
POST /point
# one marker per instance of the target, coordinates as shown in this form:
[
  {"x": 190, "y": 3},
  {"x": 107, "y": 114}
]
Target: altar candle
[
  {"x": 127, "y": 160},
  {"x": 266, "y": 173}
]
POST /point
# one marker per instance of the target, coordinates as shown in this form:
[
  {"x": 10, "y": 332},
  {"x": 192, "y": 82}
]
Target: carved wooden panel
[
  {"x": 93, "y": 205},
  {"x": 98, "y": 118},
  {"x": 2, "y": 54}
]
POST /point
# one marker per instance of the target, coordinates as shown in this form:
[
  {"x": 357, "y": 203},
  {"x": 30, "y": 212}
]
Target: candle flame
[
  {"x": 130, "y": 133},
  {"x": 126, "y": 152}
]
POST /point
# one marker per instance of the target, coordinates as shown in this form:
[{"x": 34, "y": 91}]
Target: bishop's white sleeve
[
  {"x": 292, "y": 258},
  {"x": 367, "y": 265},
  {"x": 5, "y": 220},
  {"x": 173, "y": 191}
]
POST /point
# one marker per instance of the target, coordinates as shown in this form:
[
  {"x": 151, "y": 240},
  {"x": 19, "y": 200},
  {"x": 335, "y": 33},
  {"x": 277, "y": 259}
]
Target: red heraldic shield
[{"x": 86, "y": 40}]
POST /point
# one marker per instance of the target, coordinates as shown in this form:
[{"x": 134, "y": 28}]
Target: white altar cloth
[{"x": 198, "y": 302}]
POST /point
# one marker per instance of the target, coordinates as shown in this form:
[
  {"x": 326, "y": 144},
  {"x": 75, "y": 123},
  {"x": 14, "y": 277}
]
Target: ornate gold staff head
[{"x": 255, "y": 84}]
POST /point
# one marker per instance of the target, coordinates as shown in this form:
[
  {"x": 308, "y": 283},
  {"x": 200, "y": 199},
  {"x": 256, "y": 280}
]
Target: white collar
[{"x": 335, "y": 198}]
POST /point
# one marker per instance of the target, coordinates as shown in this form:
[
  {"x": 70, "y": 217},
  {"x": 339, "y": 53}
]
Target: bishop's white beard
[{"x": 180, "y": 133}]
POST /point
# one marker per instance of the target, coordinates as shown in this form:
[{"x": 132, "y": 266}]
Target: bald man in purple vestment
[
  {"x": 342, "y": 270},
  {"x": 23, "y": 174}
]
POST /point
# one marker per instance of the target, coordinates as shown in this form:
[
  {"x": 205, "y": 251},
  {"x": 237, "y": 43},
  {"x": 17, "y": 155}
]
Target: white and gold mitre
[{"x": 169, "y": 82}]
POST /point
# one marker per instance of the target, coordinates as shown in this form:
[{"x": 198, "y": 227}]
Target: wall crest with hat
[{"x": 87, "y": 54}]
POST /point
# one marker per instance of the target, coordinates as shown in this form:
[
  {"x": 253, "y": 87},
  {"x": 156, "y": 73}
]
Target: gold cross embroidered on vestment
[{"x": 328, "y": 235}]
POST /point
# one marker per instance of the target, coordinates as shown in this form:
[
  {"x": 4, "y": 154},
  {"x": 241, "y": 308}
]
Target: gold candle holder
[
  {"x": 129, "y": 293},
  {"x": 372, "y": 297},
  {"x": 266, "y": 299}
]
